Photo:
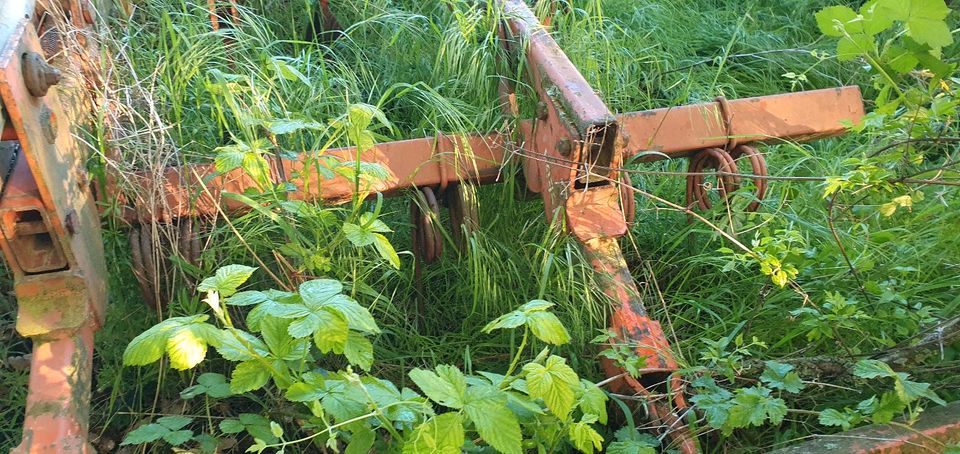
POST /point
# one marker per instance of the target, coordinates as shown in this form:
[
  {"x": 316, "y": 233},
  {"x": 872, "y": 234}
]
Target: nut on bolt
[
  {"x": 38, "y": 75},
  {"x": 564, "y": 147}
]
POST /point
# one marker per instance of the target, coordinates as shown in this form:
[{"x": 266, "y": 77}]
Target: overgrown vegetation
[{"x": 835, "y": 291}]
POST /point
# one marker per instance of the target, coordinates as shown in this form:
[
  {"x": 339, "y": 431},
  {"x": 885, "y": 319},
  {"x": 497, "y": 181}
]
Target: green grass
[{"x": 180, "y": 91}]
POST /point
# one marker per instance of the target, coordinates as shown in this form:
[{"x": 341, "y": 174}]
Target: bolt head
[{"x": 38, "y": 75}]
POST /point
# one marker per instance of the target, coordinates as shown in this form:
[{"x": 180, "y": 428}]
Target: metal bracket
[{"x": 50, "y": 237}]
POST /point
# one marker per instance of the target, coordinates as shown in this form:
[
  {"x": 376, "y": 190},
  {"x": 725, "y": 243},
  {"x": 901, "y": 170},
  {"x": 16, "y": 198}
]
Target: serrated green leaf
[
  {"x": 175, "y": 422},
  {"x": 361, "y": 441},
  {"x": 853, "y": 46},
  {"x": 258, "y": 427},
  {"x": 227, "y": 160},
  {"x": 145, "y": 434},
  {"x": 178, "y": 438},
  {"x": 233, "y": 349},
  {"x": 284, "y": 310},
  {"x": 593, "y": 400},
  {"x": 554, "y": 382},
  {"x": 358, "y": 350},
  {"x": 888, "y": 407},
  {"x": 386, "y": 250},
  {"x": 291, "y": 125},
  {"x": 923, "y": 19},
  {"x": 332, "y": 331},
  {"x": 318, "y": 291},
  {"x": 192, "y": 391},
  {"x": 231, "y": 426},
  {"x": 357, "y": 235},
  {"x": 248, "y": 376},
  {"x": 910, "y": 391},
  {"x": 832, "y": 20},
  {"x": 304, "y": 327},
  {"x": 871, "y": 368},
  {"x": 547, "y": 327},
  {"x": 226, "y": 280},
  {"x": 585, "y": 438},
  {"x": 186, "y": 347},
  {"x": 277, "y": 334},
  {"x": 442, "y": 434},
  {"x": 506, "y": 321},
  {"x": 446, "y": 387},
  {"x": 494, "y": 421},
  {"x": 358, "y": 317},
  {"x": 781, "y": 376},
  {"x": 899, "y": 59},
  {"x": 246, "y": 298},
  {"x": 831, "y": 417},
  {"x": 148, "y": 347},
  {"x": 752, "y": 407},
  {"x": 522, "y": 316},
  {"x": 304, "y": 392}
]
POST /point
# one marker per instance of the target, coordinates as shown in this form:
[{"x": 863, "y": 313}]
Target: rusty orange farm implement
[{"x": 571, "y": 153}]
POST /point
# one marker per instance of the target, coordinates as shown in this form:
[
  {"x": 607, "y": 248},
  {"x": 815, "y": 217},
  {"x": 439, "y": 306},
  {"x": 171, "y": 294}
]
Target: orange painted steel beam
[
  {"x": 60, "y": 371},
  {"x": 802, "y": 116},
  {"x": 197, "y": 189},
  {"x": 937, "y": 428},
  {"x": 576, "y": 129},
  {"x": 50, "y": 238},
  {"x": 416, "y": 162}
]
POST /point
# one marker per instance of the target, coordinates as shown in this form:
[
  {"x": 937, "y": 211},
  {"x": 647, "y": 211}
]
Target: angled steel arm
[{"x": 50, "y": 237}]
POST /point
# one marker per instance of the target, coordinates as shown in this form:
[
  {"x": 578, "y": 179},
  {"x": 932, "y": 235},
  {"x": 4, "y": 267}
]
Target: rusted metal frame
[
  {"x": 675, "y": 132},
  {"x": 571, "y": 150},
  {"x": 802, "y": 116},
  {"x": 937, "y": 428},
  {"x": 573, "y": 123},
  {"x": 51, "y": 241},
  {"x": 197, "y": 189}
]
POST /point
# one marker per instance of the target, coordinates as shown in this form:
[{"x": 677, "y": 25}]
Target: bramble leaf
[
  {"x": 145, "y": 434},
  {"x": 178, "y": 438},
  {"x": 753, "y": 406},
  {"x": 442, "y": 434},
  {"x": 494, "y": 421},
  {"x": 226, "y": 280},
  {"x": 446, "y": 387},
  {"x": 781, "y": 376},
  {"x": 554, "y": 382},
  {"x": 332, "y": 331},
  {"x": 386, "y": 250},
  {"x": 248, "y": 376},
  {"x": 584, "y": 437},
  {"x": 186, "y": 346},
  {"x": 544, "y": 325},
  {"x": 358, "y": 350},
  {"x": 547, "y": 327},
  {"x": 318, "y": 291},
  {"x": 923, "y": 19},
  {"x": 233, "y": 349},
  {"x": 593, "y": 400},
  {"x": 831, "y": 417},
  {"x": 872, "y": 368}
]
